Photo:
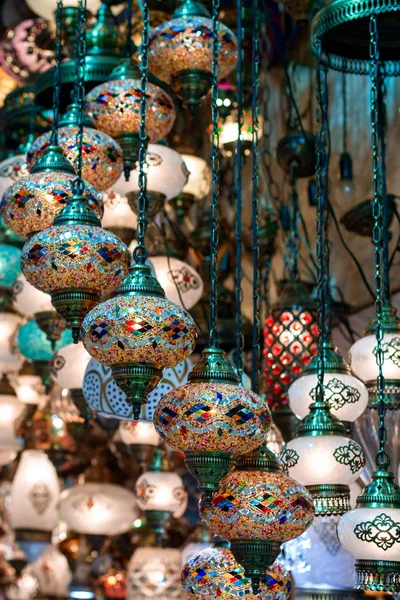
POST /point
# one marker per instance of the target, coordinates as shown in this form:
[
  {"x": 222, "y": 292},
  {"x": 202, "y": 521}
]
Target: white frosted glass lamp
[
  {"x": 198, "y": 185},
  {"x": 118, "y": 216},
  {"x": 10, "y": 409},
  {"x": 182, "y": 284},
  {"x": 12, "y": 169},
  {"x": 68, "y": 368},
  {"x": 47, "y": 8},
  {"x": 52, "y": 573},
  {"x": 28, "y": 385},
  {"x": 139, "y": 433},
  {"x": 153, "y": 572},
  {"x": 10, "y": 361},
  {"x": 98, "y": 509},
  {"x": 346, "y": 395}
]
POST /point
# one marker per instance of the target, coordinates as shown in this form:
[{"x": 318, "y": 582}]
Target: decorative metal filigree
[
  {"x": 351, "y": 455},
  {"x": 382, "y": 531},
  {"x": 391, "y": 350},
  {"x": 289, "y": 458},
  {"x": 338, "y": 394}
]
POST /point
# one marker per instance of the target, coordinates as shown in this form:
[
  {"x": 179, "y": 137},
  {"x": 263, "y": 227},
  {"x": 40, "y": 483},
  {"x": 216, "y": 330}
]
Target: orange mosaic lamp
[
  {"x": 257, "y": 508},
  {"x": 75, "y": 261}
]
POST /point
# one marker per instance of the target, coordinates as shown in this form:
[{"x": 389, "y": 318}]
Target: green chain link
[
  {"x": 382, "y": 457},
  {"x": 140, "y": 252},
  {"x": 79, "y": 90},
  {"x": 255, "y": 160},
  {"x": 57, "y": 74},
  {"x": 214, "y": 231},
  {"x": 344, "y": 108},
  {"x": 292, "y": 239}
]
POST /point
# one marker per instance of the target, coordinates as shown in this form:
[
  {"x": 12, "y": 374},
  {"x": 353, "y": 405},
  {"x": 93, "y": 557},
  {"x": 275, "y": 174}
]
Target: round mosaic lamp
[
  {"x": 212, "y": 419},
  {"x": 114, "y": 107},
  {"x": 101, "y": 156},
  {"x": 257, "y": 508},
  {"x": 182, "y": 284},
  {"x": 324, "y": 459},
  {"x": 32, "y": 202},
  {"x": 215, "y": 573},
  {"x": 181, "y": 52},
  {"x": 75, "y": 261},
  {"x": 197, "y": 187},
  {"x": 154, "y": 573},
  {"x": 346, "y": 395},
  {"x": 138, "y": 333}
]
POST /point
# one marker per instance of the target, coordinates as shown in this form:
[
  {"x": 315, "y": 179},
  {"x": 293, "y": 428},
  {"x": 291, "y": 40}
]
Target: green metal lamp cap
[
  {"x": 382, "y": 492},
  {"x": 333, "y": 362},
  {"x": 262, "y": 459},
  {"x": 72, "y": 116},
  {"x": 126, "y": 69},
  {"x": 53, "y": 161},
  {"x": 320, "y": 421},
  {"x": 219, "y": 542},
  {"x": 103, "y": 37},
  {"x": 140, "y": 282},
  {"x": 390, "y": 322},
  {"x": 77, "y": 212},
  {"x": 295, "y": 293},
  {"x": 214, "y": 367},
  {"x": 5, "y": 388},
  {"x": 190, "y": 8},
  {"x": 158, "y": 463}
]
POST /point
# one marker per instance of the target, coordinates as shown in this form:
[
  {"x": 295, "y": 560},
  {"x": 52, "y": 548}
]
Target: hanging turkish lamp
[
  {"x": 138, "y": 333},
  {"x": 238, "y": 513},
  {"x": 10, "y": 409},
  {"x": 197, "y": 187},
  {"x": 181, "y": 52},
  {"x": 10, "y": 268},
  {"x": 153, "y": 572},
  {"x": 115, "y": 106},
  {"x": 159, "y": 493},
  {"x": 215, "y": 573}
]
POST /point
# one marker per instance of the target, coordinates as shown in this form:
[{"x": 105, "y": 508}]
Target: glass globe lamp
[
  {"x": 138, "y": 333},
  {"x": 10, "y": 409},
  {"x": 35, "y": 493},
  {"x": 257, "y": 508},
  {"x": 114, "y": 107},
  {"x": 159, "y": 493},
  {"x": 75, "y": 261},
  {"x": 197, "y": 187},
  {"x": 154, "y": 573},
  {"x": 98, "y": 509},
  {"x": 104, "y": 397},
  {"x": 33, "y": 344},
  {"x": 118, "y": 215},
  {"x": 180, "y": 52},
  {"x": 370, "y": 532},
  {"x": 28, "y": 385},
  {"x": 138, "y": 433},
  {"x": 324, "y": 459},
  {"x": 181, "y": 283},
  {"x": 102, "y": 161},
  {"x": 212, "y": 419},
  {"x": 166, "y": 176},
  {"x": 47, "y": 8},
  {"x": 12, "y": 169},
  {"x": 10, "y": 361},
  {"x": 68, "y": 367},
  {"x": 10, "y": 268},
  {"x": 229, "y": 131},
  {"x": 31, "y": 203},
  {"x": 215, "y": 573},
  {"x": 52, "y": 573},
  {"x": 24, "y": 588},
  {"x": 346, "y": 395}
]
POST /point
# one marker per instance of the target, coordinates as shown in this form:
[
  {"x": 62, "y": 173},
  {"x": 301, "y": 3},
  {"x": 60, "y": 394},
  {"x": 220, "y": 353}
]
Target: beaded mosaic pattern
[
  {"x": 31, "y": 204},
  {"x": 212, "y": 416},
  {"x": 258, "y": 505},
  {"x": 75, "y": 256},
  {"x": 214, "y": 573},
  {"x": 102, "y": 161},
  {"x": 115, "y": 108},
  {"x": 186, "y": 43},
  {"x": 142, "y": 329},
  {"x": 104, "y": 396}
]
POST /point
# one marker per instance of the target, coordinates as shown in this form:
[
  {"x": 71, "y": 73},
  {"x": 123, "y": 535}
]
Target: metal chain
[
  {"x": 255, "y": 160},
  {"x": 57, "y": 74},
  {"x": 239, "y": 199},
  {"x": 344, "y": 107},
  {"x": 382, "y": 125},
  {"x": 79, "y": 91},
  {"x": 140, "y": 252},
  {"x": 214, "y": 232},
  {"x": 382, "y": 458},
  {"x": 292, "y": 240}
]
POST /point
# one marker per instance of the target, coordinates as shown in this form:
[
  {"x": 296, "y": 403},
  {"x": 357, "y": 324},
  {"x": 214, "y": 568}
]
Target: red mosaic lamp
[{"x": 290, "y": 342}]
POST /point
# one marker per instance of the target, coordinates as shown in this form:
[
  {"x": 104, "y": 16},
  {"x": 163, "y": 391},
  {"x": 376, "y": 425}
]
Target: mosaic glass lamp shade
[
  {"x": 33, "y": 344},
  {"x": 98, "y": 509},
  {"x": 180, "y": 52},
  {"x": 346, "y": 395},
  {"x": 104, "y": 397},
  {"x": 182, "y": 284},
  {"x": 35, "y": 493},
  {"x": 138, "y": 333},
  {"x": 257, "y": 508},
  {"x": 10, "y": 265},
  {"x": 215, "y": 573},
  {"x": 12, "y": 169},
  {"x": 10, "y": 361},
  {"x": 212, "y": 419},
  {"x": 154, "y": 573}
]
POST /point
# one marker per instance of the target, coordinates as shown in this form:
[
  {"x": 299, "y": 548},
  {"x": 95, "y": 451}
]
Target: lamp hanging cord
[
  {"x": 57, "y": 74},
  {"x": 255, "y": 163},
  {"x": 214, "y": 231},
  {"x": 239, "y": 199},
  {"x": 140, "y": 252},
  {"x": 382, "y": 458},
  {"x": 80, "y": 63}
]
